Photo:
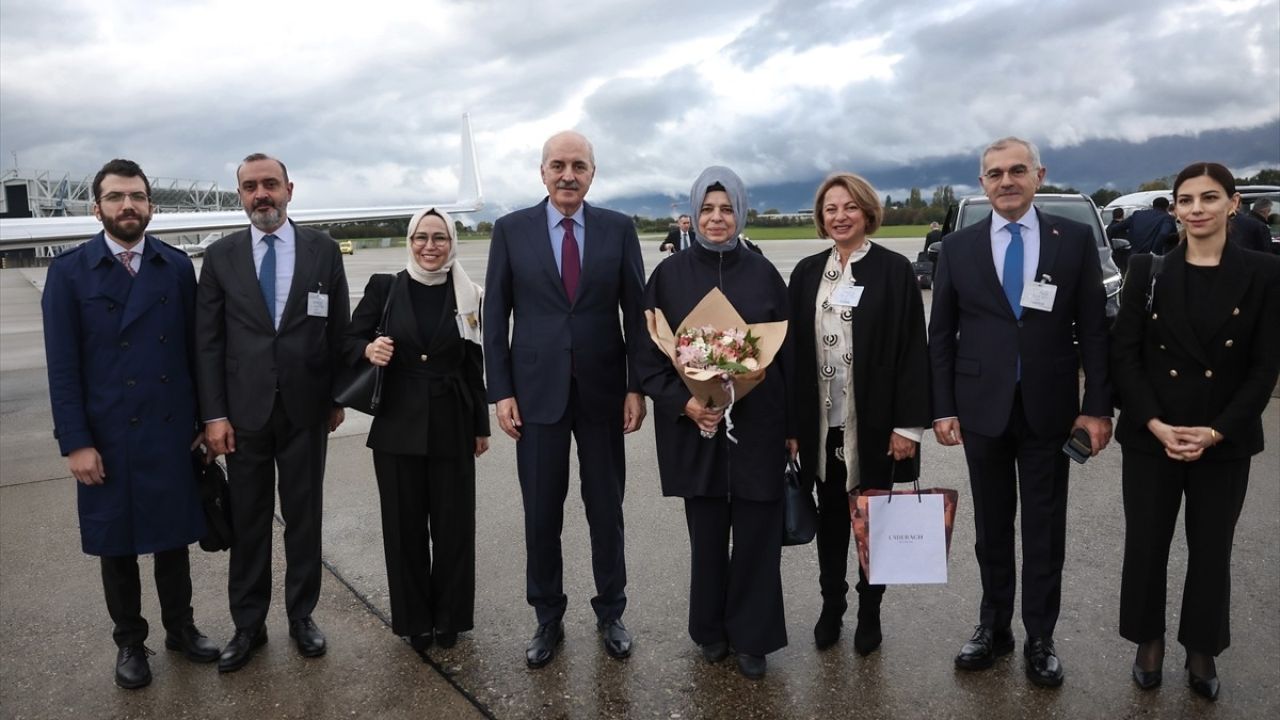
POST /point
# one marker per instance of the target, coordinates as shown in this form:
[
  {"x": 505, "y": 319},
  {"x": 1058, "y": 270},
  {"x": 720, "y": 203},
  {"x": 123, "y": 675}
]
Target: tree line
[{"x": 914, "y": 210}]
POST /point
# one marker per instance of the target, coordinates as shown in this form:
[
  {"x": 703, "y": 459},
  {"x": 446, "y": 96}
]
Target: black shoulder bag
[{"x": 359, "y": 387}]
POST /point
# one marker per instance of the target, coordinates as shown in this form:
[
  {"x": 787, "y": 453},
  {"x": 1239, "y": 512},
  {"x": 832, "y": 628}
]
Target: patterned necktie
[
  {"x": 126, "y": 259},
  {"x": 1013, "y": 270},
  {"x": 570, "y": 261},
  {"x": 267, "y": 277}
]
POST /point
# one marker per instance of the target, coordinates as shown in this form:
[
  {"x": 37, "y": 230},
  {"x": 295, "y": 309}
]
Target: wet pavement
[{"x": 56, "y": 653}]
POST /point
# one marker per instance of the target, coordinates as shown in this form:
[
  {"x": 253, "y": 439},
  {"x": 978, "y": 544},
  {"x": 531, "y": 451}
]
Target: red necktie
[
  {"x": 126, "y": 259},
  {"x": 570, "y": 262}
]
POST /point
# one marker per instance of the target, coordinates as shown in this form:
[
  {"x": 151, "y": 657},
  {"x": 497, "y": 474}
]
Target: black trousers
[
  {"x": 429, "y": 538},
  {"x": 542, "y": 460},
  {"x": 299, "y": 455},
  {"x": 1019, "y": 463},
  {"x": 736, "y": 596},
  {"x": 122, "y": 587},
  {"x": 1153, "y": 490},
  {"x": 834, "y": 530}
]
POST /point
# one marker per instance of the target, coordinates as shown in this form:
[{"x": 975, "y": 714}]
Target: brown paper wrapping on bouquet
[{"x": 715, "y": 310}]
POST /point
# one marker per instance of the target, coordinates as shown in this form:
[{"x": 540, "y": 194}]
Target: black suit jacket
[
  {"x": 890, "y": 361},
  {"x": 242, "y": 359},
  {"x": 433, "y": 394},
  {"x": 532, "y": 359},
  {"x": 975, "y": 340},
  {"x": 1162, "y": 370}
]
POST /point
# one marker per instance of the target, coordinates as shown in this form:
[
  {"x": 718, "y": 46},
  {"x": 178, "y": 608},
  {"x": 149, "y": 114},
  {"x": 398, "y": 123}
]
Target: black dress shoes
[
  {"x": 132, "y": 669},
  {"x": 1150, "y": 655},
  {"x": 307, "y": 637},
  {"x": 421, "y": 643},
  {"x": 193, "y": 644},
  {"x": 1147, "y": 679},
  {"x": 752, "y": 667},
  {"x": 238, "y": 651},
  {"x": 984, "y": 647},
  {"x": 1206, "y": 686},
  {"x": 616, "y": 639},
  {"x": 1043, "y": 667},
  {"x": 543, "y": 646},
  {"x": 827, "y": 630},
  {"x": 715, "y": 652},
  {"x": 867, "y": 637},
  {"x": 446, "y": 640}
]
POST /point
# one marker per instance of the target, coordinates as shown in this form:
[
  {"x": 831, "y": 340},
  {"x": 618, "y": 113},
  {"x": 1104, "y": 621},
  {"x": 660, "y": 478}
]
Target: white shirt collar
[
  {"x": 116, "y": 248},
  {"x": 284, "y": 233}
]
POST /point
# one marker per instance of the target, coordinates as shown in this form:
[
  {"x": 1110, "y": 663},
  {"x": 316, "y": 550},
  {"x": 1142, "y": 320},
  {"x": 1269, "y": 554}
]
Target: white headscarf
[{"x": 466, "y": 294}]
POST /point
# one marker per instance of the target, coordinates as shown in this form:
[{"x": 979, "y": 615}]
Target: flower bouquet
[{"x": 719, "y": 357}]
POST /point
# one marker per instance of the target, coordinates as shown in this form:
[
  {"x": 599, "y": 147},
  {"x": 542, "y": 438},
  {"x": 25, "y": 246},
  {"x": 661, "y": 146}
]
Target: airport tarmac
[{"x": 56, "y": 654}]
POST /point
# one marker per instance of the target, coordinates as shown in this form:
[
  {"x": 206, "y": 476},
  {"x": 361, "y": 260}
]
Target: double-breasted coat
[{"x": 120, "y": 359}]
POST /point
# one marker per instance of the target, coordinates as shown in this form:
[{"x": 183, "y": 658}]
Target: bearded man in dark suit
[{"x": 272, "y": 307}]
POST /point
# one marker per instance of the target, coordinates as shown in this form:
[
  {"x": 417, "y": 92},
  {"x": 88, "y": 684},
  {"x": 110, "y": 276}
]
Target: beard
[
  {"x": 127, "y": 227},
  {"x": 266, "y": 216}
]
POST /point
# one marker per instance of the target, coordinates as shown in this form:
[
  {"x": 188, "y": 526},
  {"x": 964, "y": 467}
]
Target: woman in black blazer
[
  {"x": 433, "y": 423},
  {"x": 1195, "y": 355},
  {"x": 862, "y": 384}
]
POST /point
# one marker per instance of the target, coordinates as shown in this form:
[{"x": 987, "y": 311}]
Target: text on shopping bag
[{"x": 907, "y": 538}]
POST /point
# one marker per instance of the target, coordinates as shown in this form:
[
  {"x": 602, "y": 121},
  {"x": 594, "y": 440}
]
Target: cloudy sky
[{"x": 363, "y": 99}]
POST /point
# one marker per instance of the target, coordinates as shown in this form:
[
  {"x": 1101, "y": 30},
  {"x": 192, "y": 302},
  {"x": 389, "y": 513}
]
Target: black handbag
[
  {"x": 801, "y": 510},
  {"x": 359, "y": 387},
  {"x": 215, "y": 501}
]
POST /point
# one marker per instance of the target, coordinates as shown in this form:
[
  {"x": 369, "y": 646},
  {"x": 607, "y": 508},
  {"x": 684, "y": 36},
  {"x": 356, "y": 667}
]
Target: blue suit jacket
[
  {"x": 121, "y": 381},
  {"x": 535, "y": 339},
  {"x": 975, "y": 340}
]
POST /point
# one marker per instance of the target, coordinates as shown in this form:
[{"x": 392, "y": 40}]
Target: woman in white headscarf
[
  {"x": 433, "y": 423},
  {"x": 730, "y": 489}
]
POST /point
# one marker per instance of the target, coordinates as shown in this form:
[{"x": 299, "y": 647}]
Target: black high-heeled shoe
[
  {"x": 1205, "y": 687},
  {"x": 1149, "y": 679}
]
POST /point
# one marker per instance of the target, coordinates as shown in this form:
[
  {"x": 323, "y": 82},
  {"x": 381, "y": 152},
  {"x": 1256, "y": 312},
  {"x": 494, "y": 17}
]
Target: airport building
[{"x": 46, "y": 193}]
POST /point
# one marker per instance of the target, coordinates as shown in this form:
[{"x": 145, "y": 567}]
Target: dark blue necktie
[
  {"x": 1013, "y": 270},
  {"x": 267, "y": 277}
]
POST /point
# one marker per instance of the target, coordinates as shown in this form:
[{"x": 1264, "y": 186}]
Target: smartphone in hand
[{"x": 1079, "y": 447}]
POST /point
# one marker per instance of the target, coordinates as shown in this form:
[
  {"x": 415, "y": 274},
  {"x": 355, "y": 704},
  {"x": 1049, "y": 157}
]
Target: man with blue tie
[
  {"x": 1011, "y": 297},
  {"x": 272, "y": 307},
  {"x": 118, "y": 314},
  {"x": 564, "y": 368}
]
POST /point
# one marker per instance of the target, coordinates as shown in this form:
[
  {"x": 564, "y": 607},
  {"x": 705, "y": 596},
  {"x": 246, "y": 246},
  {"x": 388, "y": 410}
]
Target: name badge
[
  {"x": 1039, "y": 296},
  {"x": 847, "y": 294},
  {"x": 317, "y": 304}
]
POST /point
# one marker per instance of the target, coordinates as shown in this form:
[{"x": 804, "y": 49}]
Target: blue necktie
[
  {"x": 1013, "y": 270},
  {"x": 267, "y": 277}
]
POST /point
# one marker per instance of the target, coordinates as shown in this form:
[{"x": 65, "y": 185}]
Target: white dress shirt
[
  {"x": 1000, "y": 239},
  {"x": 115, "y": 248},
  {"x": 286, "y": 250}
]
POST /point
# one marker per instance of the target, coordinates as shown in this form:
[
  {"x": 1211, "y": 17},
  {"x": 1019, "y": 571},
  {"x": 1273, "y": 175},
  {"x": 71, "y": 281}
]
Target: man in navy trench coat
[{"x": 118, "y": 314}]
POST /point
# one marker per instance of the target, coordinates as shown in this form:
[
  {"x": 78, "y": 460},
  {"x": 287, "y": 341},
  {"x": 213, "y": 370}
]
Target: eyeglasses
[
  {"x": 1017, "y": 172},
  {"x": 424, "y": 239},
  {"x": 138, "y": 198}
]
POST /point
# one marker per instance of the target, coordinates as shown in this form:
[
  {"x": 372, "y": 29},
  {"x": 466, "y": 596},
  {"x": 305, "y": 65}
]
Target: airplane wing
[{"x": 28, "y": 232}]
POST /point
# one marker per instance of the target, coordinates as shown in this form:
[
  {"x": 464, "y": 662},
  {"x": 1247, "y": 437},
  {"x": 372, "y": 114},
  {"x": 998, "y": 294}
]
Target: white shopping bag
[{"x": 907, "y": 539}]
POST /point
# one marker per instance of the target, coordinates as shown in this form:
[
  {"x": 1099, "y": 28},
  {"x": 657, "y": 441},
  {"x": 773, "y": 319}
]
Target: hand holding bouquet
[{"x": 719, "y": 357}]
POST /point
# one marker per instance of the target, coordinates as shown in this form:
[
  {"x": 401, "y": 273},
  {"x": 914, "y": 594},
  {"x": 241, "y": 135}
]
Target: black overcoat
[
  {"x": 890, "y": 362},
  {"x": 690, "y": 465}
]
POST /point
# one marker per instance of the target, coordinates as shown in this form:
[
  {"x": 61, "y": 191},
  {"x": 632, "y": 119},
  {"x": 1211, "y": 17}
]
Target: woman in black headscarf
[
  {"x": 729, "y": 488},
  {"x": 433, "y": 424}
]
